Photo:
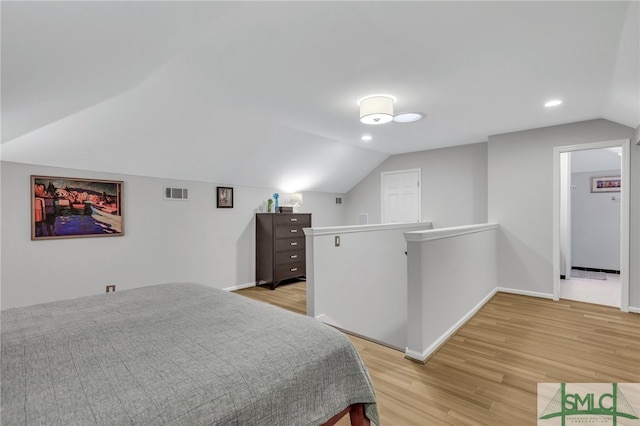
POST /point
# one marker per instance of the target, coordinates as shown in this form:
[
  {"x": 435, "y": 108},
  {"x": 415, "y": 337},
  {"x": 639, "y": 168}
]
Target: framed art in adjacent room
[
  {"x": 224, "y": 197},
  {"x": 65, "y": 207},
  {"x": 606, "y": 184}
]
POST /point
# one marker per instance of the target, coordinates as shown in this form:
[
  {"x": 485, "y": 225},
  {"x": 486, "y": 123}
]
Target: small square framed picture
[{"x": 224, "y": 197}]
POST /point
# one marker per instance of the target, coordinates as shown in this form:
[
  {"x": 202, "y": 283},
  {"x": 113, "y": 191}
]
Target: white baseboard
[
  {"x": 525, "y": 292},
  {"x": 422, "y": 356},
  {"x": 416, "y": 356},
  {"x": 325, "y": 319},
  {"x": 546, "y": 296},
  {"x": 240, "y": 286}
]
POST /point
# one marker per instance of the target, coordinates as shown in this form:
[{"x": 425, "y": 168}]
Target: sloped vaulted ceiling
[{"x": 264, "y": 93}]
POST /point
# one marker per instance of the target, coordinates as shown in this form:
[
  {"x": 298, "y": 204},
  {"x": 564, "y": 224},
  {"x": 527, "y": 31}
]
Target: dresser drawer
[
  {"x": 287, "y": 257},
  {"x": 286, "y": 244},
  {"x": 290, "y": 270},
  {"x": 303, "y": 220},
  {"x": 289, "y": 231}
]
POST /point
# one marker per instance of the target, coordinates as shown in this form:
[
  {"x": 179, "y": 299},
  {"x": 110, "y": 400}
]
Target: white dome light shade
[
  {"x": 407, "y": 117},
  {"x": 376, "y": 110},
  {"x": 366, "y": 138}
]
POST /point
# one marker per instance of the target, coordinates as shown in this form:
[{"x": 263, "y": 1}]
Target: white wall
[
  {"x": 592, "y": 160},
  {"x": 521, "y": 201},
  {"x": 595, "y": 223},
  {"x": 361, "y": 285},
  {"x": 454, "y": 186},
  {"x": 451, "y": 273},
  {"x": 164, "y": 241}
]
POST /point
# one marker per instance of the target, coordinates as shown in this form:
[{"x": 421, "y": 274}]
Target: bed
[{"x": 177, "y": 354}]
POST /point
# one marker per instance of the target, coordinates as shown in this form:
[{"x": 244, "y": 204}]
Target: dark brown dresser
[{"x": 280, "y": 246}]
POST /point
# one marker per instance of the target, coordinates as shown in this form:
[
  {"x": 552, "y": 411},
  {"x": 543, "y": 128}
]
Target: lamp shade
[{"x": 376, "y": 110}]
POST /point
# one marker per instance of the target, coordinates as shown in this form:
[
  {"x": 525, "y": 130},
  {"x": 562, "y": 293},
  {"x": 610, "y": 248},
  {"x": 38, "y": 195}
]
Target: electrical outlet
[
  {"x": 337, "y": 240},
  {"x": 111, "y": 287}
]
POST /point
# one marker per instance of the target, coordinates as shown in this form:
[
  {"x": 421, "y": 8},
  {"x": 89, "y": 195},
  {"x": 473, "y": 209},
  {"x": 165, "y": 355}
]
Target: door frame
[
  {"x": 565, "y": 215},
  {"x": 625, "y": 163},
  {"x": 382, "y": 175}
]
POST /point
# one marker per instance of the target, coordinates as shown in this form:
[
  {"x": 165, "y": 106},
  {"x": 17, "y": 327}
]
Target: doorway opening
[
  {"x": 590, "y": 226},
  {"x": 609, "y": 202}
]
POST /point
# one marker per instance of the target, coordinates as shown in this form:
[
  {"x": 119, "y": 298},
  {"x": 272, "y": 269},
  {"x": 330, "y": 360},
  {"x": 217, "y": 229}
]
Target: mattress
[{"x": 175, "y": 354}]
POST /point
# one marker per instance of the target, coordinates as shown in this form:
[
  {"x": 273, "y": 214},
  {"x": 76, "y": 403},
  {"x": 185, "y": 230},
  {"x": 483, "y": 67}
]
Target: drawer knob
[
  {"x": 294, "y": 219},
  {"x": 294, "y": 269},
  {"x": 294, "y": 244},
  {"x": 294, "y": 256},
  {"x": 294, "y": 230}
]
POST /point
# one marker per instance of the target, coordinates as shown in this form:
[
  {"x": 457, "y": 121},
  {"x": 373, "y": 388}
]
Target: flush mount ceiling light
[
  {"x": 552, "y": 103},
  {"x": 408, "y": 117},
  {"x": 376, "y": 109},
  {"x": 366, "y": 138}
]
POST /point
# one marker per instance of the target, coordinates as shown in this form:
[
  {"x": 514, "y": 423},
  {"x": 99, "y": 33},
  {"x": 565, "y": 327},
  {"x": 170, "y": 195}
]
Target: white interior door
[{"x": 401, "y": 196}]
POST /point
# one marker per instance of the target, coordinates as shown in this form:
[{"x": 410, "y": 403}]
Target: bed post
[{"x": 356, "y": 415}]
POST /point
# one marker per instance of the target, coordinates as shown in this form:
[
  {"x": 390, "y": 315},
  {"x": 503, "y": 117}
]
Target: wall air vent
[{"x": 176, "y": 194}]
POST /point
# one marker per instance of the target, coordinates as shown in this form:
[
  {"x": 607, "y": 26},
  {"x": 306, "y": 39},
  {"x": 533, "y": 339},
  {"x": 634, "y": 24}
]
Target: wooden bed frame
[{"x": 356, "y": 414}]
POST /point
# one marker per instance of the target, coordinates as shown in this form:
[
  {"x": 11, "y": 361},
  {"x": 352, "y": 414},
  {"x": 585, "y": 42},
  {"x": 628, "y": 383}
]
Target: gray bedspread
[{"x": 175, "y": 354}]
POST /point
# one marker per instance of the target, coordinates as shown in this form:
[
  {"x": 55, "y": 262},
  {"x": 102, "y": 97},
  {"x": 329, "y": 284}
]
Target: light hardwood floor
[{"x": 487, "y": 373}]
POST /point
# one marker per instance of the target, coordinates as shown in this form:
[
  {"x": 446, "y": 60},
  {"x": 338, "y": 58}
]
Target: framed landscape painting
[{"x": 64, "y": 207}]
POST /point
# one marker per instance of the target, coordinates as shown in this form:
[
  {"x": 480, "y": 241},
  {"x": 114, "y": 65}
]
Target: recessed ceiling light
[
  {"x": 407, "y": 117},
  {"x": 552, "y": 103},
  {"x": 366, "y": 138}
]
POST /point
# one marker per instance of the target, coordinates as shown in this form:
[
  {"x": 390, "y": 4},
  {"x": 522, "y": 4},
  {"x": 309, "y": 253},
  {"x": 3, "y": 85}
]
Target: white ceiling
[{"x": 264, "y": 93}]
